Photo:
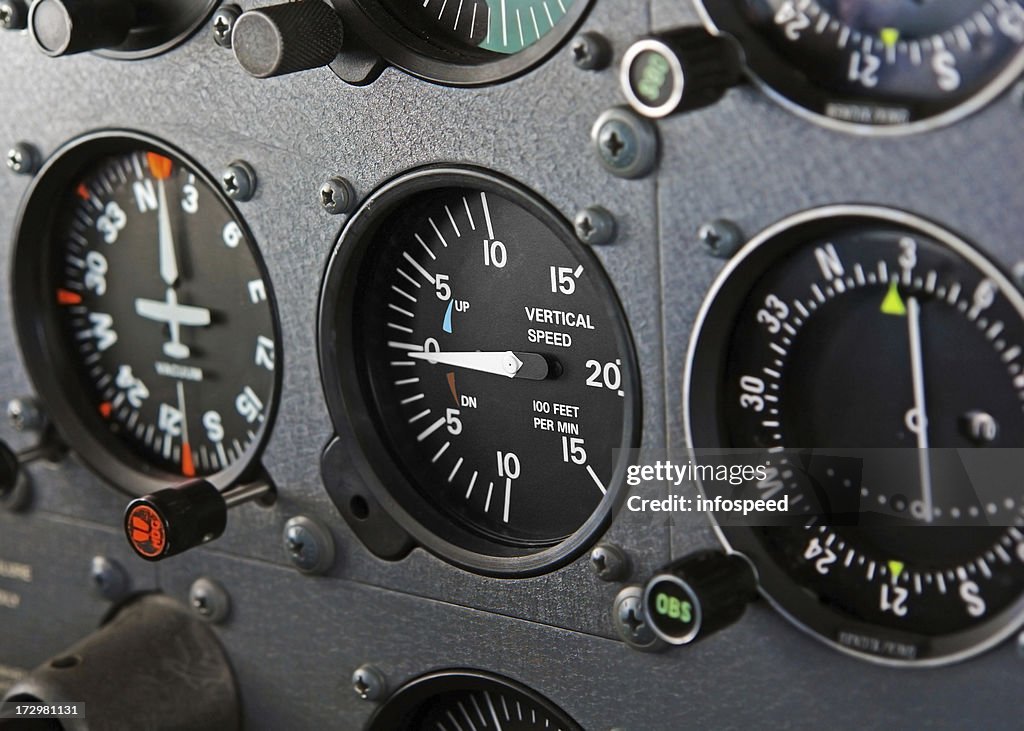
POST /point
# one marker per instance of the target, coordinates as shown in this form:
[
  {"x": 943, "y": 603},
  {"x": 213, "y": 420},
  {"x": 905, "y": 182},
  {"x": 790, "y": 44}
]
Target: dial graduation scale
[
  {"x": 456, "y": 700},
  {"x": 460, "y": 314},
  {"x": 875, "y": 361}
]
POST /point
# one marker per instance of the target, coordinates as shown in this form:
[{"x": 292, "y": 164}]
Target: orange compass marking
[
  {"x": 82, "y": 191},
  {"x": 105, "y": 409},
  {"x": 451, "y": 385},
  {"x": 67, "y": 297},
  {"x": 159, "y": 165},
  {"x": 188, "y": 467}
]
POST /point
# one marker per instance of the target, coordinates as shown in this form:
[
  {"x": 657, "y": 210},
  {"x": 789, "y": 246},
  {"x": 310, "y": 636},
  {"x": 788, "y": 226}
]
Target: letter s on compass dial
[
  {"x": 495, "y": 365},
  {"x": 145, "y": 314},
  {"x": 876, "y": 362}
]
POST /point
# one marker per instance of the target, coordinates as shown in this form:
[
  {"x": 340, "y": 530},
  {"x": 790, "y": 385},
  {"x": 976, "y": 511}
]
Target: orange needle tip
[
  {"x": 188, "y": 467},
  {"x": 159, "y": 165}
]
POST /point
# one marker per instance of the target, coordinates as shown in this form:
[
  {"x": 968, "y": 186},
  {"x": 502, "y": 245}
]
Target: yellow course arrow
[
  {"x": 893, "y": 303},
  {"x": 890, "y": 37},
  {"x": 895, "y": 568}
]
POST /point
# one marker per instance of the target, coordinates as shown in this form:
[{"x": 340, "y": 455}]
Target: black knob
[
  {"x": 152, "y": 664},
  {"x": 171, "y": 521},
  {"x": 174, "y": 520},
  {"x": 696, "y": 596},
  {"x": 678, "y": 71},
  {"x": 63, "y": 27},
  {"x": 282, "y": 39}
]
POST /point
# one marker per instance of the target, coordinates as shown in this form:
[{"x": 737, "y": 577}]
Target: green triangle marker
[
  {"x": 896, "y": 568},
  {"x": 893, "y": 303},
  {"x": 890, "y": 37}
]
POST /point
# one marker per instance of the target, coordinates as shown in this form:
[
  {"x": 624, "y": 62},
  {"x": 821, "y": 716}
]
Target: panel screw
[
  {"x": 337, "y": 195},
  {"x": 591, "y": 51},
  {"x": 368, "y": 683},
  {"x": 239, "y": 181},
  {"x": 23, "y": 159},
  {"x": 722, "y": 237},
  {"x": 25, "y": 415},
  {"x": 209, "y": 600},
  {"x": 1018, "y": 273},
  {"x": 223, "y": 23},
  {"x": 594, "y": 226},
  {"x": 109, "y": 579},
  {"x": 610, "y": 562},
  {"x": 13, "y": 15},
  {"x": 309, "y": 545},
  {"x": 628, "y": 617},
  {"x": 626, "y": 144}
]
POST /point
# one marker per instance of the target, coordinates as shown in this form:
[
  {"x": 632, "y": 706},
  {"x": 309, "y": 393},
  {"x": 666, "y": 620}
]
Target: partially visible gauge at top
[
  {"x": 877, "y": 66},
  {"x": 145, "y": 315},
  {"x": 469, "y": 42}
]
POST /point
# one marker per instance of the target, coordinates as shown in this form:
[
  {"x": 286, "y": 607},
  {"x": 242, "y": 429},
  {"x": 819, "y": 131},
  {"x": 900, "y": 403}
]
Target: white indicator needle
[
  {"x": 184, "y": 414},
  {"x": 500, "y": 363},
  {"x": 917, "y": 372},
  {"x": 168, "y": 258}
]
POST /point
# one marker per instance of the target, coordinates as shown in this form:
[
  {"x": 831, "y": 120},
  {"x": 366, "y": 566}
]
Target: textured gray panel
[
  {"x": 59, "y": 605},
  {"x": 295, "y": 640}
]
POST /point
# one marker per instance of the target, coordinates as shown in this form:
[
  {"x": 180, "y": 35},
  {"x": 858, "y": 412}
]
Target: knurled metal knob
[{"x": 285, "y": 38}]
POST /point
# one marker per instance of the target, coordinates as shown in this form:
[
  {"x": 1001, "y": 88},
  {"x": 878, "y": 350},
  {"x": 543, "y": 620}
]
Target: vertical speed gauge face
[
  {"x": 877, "y": 66},
  {"x": 145, "y": 314},
  {"x": 876, "y": 361},
  {"x": 494, "y": 362}
]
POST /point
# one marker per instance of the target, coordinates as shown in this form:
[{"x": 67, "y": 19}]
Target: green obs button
[
  {"x": 698, "y": 595},
  {"x": 653, "y": 78},
  {"x": 673, "y": 609}
]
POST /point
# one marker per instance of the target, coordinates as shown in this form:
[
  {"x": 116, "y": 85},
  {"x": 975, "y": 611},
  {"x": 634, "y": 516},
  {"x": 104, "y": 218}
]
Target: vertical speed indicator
[{"x": 495, "y": 364}]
